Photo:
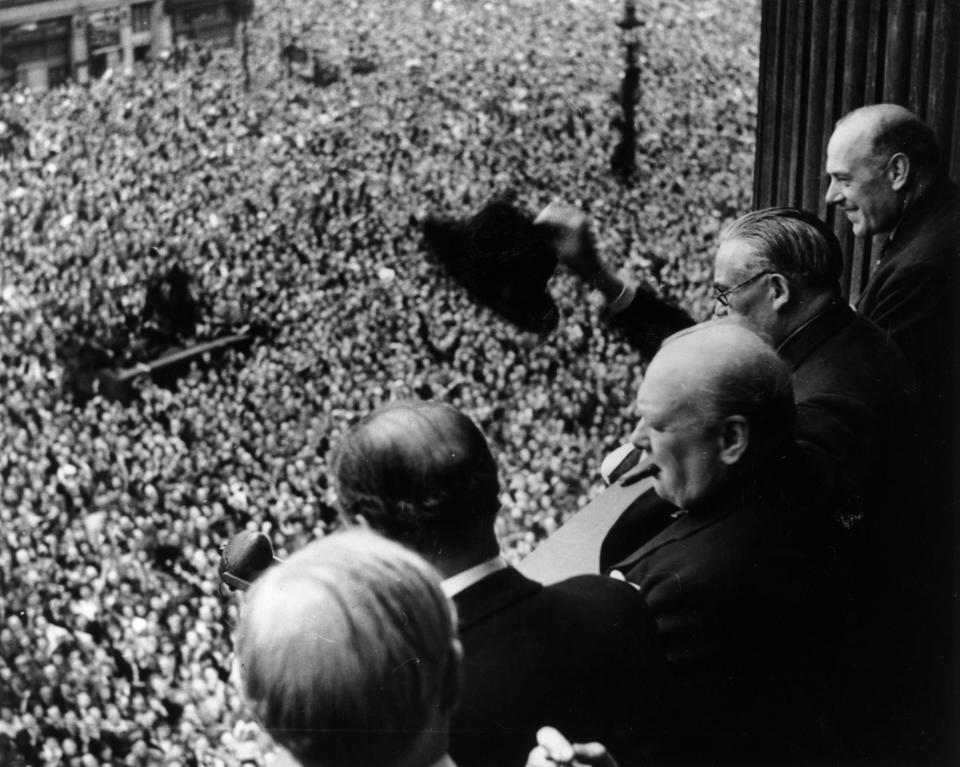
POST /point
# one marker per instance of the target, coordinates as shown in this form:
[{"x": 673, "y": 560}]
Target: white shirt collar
[{"x": 466, "y": 578}]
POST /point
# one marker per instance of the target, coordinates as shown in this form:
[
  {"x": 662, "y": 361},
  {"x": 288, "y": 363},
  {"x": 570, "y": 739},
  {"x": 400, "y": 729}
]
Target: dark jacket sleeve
[
  {"x": 910, "y": 299},
  {"x": 647, "y": 320}
]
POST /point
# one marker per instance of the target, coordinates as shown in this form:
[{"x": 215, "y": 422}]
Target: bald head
[
  {"x": 420, "y": 473},
  {"x": 728, "y": 369},
  {"x": 715, "y": 399},
  {"x": 888, "y": 129}
]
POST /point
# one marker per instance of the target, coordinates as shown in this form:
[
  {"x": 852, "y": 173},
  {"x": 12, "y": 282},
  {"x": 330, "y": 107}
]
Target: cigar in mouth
[{"x": 645, "y": 468}]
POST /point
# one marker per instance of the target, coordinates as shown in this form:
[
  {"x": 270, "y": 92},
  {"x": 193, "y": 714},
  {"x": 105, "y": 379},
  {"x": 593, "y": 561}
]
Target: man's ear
[
  {"x": 780, "y": 291},
  {"x": 898, "y": 171},
  {"x": 734, "y": 439}
]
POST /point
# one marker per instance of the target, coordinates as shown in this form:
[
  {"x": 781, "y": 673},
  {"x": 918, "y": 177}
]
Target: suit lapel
[
  {"x": 680, "y": 529},
  {"x": 491, "y": 595}
]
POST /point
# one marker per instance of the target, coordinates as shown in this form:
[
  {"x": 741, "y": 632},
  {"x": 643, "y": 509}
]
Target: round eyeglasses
[{"x": 722, "y": 295}]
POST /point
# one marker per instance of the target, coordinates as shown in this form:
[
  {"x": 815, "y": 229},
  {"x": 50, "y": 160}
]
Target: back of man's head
[
  {"x": 347, "y": 654},
  {"x": 794, "y": 243},
  {"x": 892, "y": 129},
  {"x": 727, "y": 371},
  {"x": 420, "y": 473}
]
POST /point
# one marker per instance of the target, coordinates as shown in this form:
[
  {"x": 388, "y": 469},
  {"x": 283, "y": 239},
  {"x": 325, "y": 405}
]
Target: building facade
[{"x": 46, "y": 42}]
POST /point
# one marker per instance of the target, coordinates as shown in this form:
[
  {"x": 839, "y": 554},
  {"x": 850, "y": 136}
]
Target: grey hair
[
  {"x": 346, "y": 651},
  {"x": 794, "y": 242}
]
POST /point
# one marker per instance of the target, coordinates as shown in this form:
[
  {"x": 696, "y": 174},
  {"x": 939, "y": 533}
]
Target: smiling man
[
  {"x": 872, "y": 183},
  {"x": 887, "y": 177},
  {"x": 733, "y": 579}
]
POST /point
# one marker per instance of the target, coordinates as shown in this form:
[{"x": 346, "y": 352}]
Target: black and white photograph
[{"x": 479, "y": 383}]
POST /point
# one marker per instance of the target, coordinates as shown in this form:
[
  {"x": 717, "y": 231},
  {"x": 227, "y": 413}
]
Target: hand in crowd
[{"x": 571, "y": 238}]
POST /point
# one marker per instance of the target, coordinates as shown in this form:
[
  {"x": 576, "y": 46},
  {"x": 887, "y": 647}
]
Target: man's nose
[
  {"x": 833, "y": 194},
  {"x": 640, "y": 438}
]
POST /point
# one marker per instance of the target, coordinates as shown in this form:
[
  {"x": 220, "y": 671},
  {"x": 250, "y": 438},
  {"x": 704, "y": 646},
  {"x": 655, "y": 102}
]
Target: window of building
[
  {"x": 200, "y": 17},
  {"x": 140, "y": 14},
  {"x": 36, "y": 43},
  {"x": 58, "y": 74}
]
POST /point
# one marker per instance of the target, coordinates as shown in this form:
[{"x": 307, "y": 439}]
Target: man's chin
[
  {"x": 662, "y": 491},
  {"x": 857, "y": 224}
]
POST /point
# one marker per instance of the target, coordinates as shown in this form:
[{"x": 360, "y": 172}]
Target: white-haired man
[{"x": 348, "y": 655}]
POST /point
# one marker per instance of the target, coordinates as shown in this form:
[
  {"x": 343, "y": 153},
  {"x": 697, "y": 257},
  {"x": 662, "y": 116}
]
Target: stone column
[
  {"x": 126, "y": 38},
  {"x": 78, "y": 48},
  {"x": 162, "y": 29}
]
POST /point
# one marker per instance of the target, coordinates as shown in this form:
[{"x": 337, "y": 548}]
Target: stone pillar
[
  {"x": 78, "y": 48},
  {"x": 126, "y": 38},
  {"x": 162, "y": 29}
]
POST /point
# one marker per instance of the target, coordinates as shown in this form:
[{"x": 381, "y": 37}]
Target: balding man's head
[
  {"x": 347, "y": 654},
  {"x": 420, "y": 473},
  {"x": 888, "y": 129},
  {"x": 879, "y": 158},
  {"x": 714, "y": 399}
]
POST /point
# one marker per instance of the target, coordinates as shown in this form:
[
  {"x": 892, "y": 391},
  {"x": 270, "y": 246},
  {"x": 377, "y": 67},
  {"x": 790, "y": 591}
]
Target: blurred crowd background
[{"x": 297, "y": 208}]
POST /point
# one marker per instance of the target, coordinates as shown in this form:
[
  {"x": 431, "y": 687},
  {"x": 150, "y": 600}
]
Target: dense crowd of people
[{"x": 297, "y": 208}]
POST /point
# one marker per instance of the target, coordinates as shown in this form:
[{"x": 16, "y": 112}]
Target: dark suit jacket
[
  {"x": 857, "y": 403},
  {"x": 647, "y": 320},
  {"x": 735, "y": 589},
  {"x": 581, "y": 655},
  {"x": 914, "y": 292},
  {"x": 858, "y": 419},
  {"x": 914, "y": 297}
]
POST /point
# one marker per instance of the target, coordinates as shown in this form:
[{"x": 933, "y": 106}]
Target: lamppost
[
  {"x": 244, "y": 9},
  {"x": 624, "y": 161}
]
